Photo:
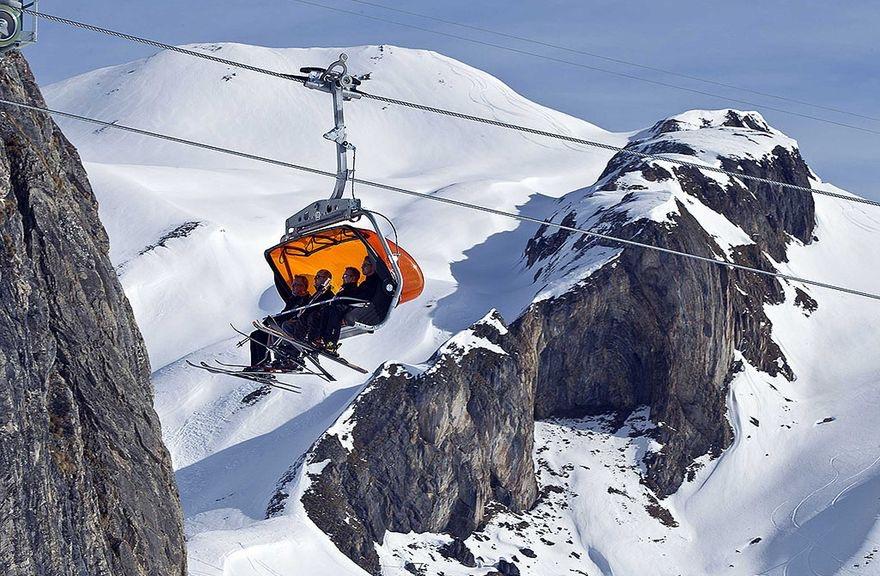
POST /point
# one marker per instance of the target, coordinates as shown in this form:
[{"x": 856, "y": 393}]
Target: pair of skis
[
  {"x": 268, "y": 376},
  {"x": 311, "y": 353},
  {"x": 262, "y": 377}
]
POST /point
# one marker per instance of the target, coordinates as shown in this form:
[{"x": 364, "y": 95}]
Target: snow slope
[{"x": 188, "y": 228}]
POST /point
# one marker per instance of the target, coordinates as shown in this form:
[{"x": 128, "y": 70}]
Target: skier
[
  {"x": 299, "y": 296},
  {"x": 334, "y": 313},
  {"x": 308, "y": 324},
  {"x": 373, "y": 291}
]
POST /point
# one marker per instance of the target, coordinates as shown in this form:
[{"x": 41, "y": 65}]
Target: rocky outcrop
[
  {"x": 659, "y": 330},
  {"x": 428, "y": 449},
  {"x": 86, "y": 485},
  {"x": 613, "y": 328}
]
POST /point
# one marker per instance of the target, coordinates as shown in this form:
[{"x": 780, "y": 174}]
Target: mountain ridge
[
  {"x": 227, "y": 454},
  {"x": 618, "y": 340},
  {"x": 87, "y": 483}
]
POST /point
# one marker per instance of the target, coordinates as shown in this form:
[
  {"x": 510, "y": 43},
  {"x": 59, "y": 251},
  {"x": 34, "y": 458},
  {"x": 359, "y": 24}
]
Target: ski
[
  {"x": 263, "y": 378},
  {"x": 269, "y": 372},
  {"x": 225, "y": 365},
  {"x": 308, "y": 350},
  {"x": 249, "y": 338},
  {"x": 303, "y": 368},
  {"x": 280, "y": 352},
  {"x": 269, "y": 347}
]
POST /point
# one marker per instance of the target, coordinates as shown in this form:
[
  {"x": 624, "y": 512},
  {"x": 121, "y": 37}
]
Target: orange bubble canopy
[{"x": 337, "y": 248}]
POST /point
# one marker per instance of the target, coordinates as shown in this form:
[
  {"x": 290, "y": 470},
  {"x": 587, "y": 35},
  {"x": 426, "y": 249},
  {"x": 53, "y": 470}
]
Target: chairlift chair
[{"x": 323, "y": 235}]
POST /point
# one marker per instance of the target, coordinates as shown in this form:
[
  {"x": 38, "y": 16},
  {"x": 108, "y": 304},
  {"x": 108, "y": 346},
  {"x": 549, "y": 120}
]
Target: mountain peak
[{"x": 702, "y": 119}]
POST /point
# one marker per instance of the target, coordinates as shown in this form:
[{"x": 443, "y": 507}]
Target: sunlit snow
[{"x": 795, "y": 495}]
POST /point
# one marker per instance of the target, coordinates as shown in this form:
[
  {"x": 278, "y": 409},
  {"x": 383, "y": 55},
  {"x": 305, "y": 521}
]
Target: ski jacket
[
  {"x": 323, "y": 295},
  {"x": 374, "y": 291},
  {"x": 296, "y": 302},
  {"x": 348, "y": 290}
]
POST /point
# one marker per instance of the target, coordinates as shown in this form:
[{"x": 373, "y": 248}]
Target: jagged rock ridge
[
  {"x": 658, "y": 330},
  {"x": 87, "y": 485},
  {"x": 428, "y": 449}
]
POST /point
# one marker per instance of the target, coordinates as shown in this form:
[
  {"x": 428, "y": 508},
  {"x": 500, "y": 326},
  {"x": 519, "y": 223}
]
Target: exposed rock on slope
[
  {"x": 612, "y": 328},
  {"x": 655, "y": 329},
  {"x": 87, "y": 486},
  {"x": 428, "y": 449}
]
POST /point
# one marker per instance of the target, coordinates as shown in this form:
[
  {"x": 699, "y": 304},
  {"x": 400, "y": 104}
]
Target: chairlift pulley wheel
[{"x": 12, "y": 26}]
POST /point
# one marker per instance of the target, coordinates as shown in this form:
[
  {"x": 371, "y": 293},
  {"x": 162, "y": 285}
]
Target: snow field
[{"x": 188, "y": 228}]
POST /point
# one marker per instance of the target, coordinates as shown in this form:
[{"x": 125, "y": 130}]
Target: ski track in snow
[
  {"x": 773, "y": 515},
  {"x": 814, "y": 492},
  {"x": 840, "y": 494},
  {"x": 229, "y": 456}
]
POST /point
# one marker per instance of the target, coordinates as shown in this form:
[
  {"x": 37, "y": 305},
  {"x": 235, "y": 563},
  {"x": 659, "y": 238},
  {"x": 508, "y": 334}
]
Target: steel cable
[
  {"x": 628, "y": 151},
  {"x": 433, "y": 198},
  {"x": 469, "y": 117},
  {"x": 616, "y": 60},
  {"x": 588, "y": 67},
  {"x": 161, "y": 45}
]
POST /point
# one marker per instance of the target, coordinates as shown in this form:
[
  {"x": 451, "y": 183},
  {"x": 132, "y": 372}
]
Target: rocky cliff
[
  {"x": 655, "y": 329},
  {"x": 428, "y": 448},
  {"x": 612, "y": 328},
  {"x": 87, "y": 485}
]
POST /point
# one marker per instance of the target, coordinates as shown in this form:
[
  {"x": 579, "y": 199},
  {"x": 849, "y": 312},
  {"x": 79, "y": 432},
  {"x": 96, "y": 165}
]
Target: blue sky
[{"x": 822, "y": 52}]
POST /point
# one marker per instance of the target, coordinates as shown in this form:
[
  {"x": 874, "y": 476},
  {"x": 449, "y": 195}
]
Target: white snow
[
  {"x": 704, "y": 131},
  {"x": 591, "y": 517},
  {"x": 462, "y": 343},
  {"x": 493, "y": 319},
  {"x": 465, "y": 341},
  {"x": 805, "y": 485},
  {"x": 343, "y": 428}
]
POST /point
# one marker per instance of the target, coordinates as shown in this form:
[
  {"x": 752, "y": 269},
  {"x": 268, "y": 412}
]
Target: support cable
[
  {"x": 627, "y": 151},
  {"x": 449, "y": 201},
  {"x": 469, "y": 117},
  {"x": 615, "y": 60},
  {"x": 589, "y": 67},
  {"x": 162, "y": 45}
]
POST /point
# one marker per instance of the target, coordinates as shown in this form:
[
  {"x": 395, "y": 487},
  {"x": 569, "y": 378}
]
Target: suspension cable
[
  {"x": 162, "y": 45},
  {"x": 450, "y": 201},
  {"x": 614, "y": 60},
  {"x": 587, "y": 66},
  {"x": 469, "y": 117},
  {"x": 627, "y": 151}
]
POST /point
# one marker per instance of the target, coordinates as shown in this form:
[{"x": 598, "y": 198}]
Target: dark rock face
[
  {"x": 659, "y": 330},
  {"x": 430, "y": 450},
  {"x": 507, "y": 568},
  {"x": 87, "y": 485},
  {"x": 630, "y": 327},
  {"x": 459, "y": 551}
]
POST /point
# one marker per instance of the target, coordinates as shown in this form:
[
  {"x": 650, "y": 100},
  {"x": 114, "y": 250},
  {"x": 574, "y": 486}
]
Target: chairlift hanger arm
[{"x": 336, "y": 81}]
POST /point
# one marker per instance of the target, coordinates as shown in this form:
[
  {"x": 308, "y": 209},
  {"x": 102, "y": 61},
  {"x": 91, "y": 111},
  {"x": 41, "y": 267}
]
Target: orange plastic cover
[{"x": 337, "y": 248}]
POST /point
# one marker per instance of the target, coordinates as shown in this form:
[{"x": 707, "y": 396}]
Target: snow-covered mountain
[{"x": 794, "y": 489}]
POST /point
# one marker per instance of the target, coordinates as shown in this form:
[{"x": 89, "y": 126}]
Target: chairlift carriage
[
  {"x": 333, "y": 246},
  {"x": 331, "y": 235},
  {"x": 321, "y": 236}
]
